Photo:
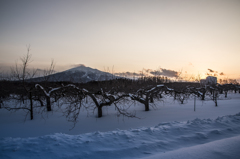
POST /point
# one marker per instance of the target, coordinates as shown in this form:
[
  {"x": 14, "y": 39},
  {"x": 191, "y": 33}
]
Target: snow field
[{"x": 171, "y": 130}]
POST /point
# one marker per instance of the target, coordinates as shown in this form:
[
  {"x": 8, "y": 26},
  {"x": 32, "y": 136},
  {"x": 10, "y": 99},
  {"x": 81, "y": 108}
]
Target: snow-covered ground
[{"x": 170, "y": 130}]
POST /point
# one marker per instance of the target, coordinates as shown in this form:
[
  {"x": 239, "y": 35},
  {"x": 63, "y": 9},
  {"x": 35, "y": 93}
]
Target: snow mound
[
  {"x": 220, "y": 149},
  {"x": 163, "y": 139}
]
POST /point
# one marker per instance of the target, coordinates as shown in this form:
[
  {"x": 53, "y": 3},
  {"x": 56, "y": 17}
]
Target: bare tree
[
  {"x": 47, "y": 72},
  {"x": 46, "y": 75},
  {"x": 182, "y": 96},
  {"x": 22, "y": 73},
  {"x": 48, "y": 94},
  {"x": 102, "y": 99},
  {"x": 148, "y": 95},
  {"x": 213, "y": 93},
  {"x": 107, "y": 100}
]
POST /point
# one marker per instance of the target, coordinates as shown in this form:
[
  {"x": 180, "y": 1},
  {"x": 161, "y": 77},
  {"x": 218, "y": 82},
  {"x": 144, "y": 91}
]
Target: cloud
[
  {"x": 190, "y": 64},
  {"x": 214, "y": 73},
  {"x": 165, "y": 72},
  {"x": 77, "y": 65},
  {"x": 128, "y": 74},
  {"x": 210, "y": 70},
  {"x": 147, "y": 70},
  {"x": 150, "y": 72}
]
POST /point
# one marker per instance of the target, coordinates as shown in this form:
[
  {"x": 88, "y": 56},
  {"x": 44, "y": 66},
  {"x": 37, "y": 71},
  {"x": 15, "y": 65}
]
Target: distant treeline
[{"x": 121, "y": 85}]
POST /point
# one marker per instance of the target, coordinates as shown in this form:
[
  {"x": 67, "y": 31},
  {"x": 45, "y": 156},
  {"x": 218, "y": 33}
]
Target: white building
[{"x": 210, "y": 80}]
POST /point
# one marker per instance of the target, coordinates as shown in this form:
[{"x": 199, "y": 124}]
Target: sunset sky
[{"x": 188, "y": 35}]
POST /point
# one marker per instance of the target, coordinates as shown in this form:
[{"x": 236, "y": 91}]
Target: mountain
[{"x": 80, "y": 74}]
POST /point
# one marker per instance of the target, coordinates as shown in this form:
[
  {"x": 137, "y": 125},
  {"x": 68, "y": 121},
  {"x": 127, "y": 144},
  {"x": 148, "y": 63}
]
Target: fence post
[{"x": 194, "y": 102}]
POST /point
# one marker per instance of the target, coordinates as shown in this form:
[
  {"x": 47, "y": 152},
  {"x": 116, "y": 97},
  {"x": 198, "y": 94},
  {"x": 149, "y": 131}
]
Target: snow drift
[{"x": 164, "y": 139}]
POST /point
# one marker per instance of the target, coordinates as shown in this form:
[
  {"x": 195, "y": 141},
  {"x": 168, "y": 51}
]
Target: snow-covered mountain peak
[
  {"x": 79, "y": 74},
  {"x": 83, "y": 68}
]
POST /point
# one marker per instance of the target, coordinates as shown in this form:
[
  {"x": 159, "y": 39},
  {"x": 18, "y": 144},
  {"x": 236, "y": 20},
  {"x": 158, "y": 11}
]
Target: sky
[{"x": 192, "y": 37}]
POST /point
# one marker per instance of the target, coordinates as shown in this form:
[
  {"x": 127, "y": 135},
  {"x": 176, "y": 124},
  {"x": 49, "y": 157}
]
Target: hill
[{"x": 80, "y": 74}]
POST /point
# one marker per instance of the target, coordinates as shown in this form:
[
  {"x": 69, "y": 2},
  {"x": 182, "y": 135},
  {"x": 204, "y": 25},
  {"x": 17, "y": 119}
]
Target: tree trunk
[
  {"x": 175, "y": 95},
  {"x": 147, "y": 102},
  {"x": 22, "y": 97},
  {"x": 31, "y": 105},
  {"x": 41, "y": 102},
  {"x": 225, "y": 94},
  {"x": 151, "y": 99},
  {"x": 203, "y": 95},
  {"x": 1, "y": 102},
  {"x": 48, "y": 104},
  {"x": 215, "y": 97},
  {"x": 221, "y": 91},
  {"x": 146, "y": 106},
  {"x": 215, "y": 100},
  {"x": 160, "y": 95},
  {"x": 99, "y": 111}
]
